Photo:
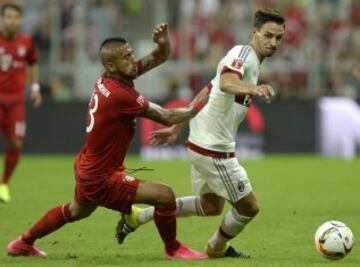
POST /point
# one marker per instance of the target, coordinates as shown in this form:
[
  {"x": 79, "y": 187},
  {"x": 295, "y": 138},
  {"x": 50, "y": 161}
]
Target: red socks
[
  {"x": 165, "y": 220},
  {"x": 11, "y": 160},
  {"x": 52, "y": 220},
  {"x": 164, "y": 217}
]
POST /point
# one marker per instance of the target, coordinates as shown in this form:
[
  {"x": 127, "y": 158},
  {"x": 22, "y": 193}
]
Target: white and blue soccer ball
[{"x": 334, "y": 240}]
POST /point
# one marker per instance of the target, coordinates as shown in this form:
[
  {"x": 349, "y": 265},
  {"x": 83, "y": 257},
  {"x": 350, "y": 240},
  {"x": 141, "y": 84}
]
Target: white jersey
[{"x": 215, "y": 126}]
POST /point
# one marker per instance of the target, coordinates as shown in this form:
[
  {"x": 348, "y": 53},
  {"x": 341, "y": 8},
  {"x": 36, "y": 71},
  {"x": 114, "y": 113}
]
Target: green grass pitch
[{"x": 296, "y": 194}]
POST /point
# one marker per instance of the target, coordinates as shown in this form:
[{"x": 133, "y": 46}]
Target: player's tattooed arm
[
  {"x": 199, "y": 101},
  {"x": 169, "y": 116},
  {"x": 168, "y": 136},
  {"x": 161, "y": 53}
]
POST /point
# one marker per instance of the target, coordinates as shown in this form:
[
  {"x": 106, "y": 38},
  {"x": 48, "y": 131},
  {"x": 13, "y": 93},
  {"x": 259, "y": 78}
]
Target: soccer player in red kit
[
  {"x": 99, "y": 169},
  {"x": 17, "y": 52}
]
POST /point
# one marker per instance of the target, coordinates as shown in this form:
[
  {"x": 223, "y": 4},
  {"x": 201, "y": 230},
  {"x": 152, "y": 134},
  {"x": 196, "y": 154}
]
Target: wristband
[{"x": 35, "y": 87}]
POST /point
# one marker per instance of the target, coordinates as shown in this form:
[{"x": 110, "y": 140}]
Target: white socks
[
  {"x": 145, "y": 215},
  {"x": 189, "y": 206},
  {"x": 185, "y": 206},
  {"x": 232, "y": 224}
]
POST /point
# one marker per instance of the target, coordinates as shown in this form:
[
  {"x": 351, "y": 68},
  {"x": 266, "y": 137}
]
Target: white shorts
[{"x": 223, "y": 177}]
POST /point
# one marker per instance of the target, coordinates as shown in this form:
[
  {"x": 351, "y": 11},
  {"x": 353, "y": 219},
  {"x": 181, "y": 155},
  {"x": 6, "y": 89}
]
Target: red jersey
[
  {"x": 15, "y": 55},
  {"x": 111, "y": 123}
]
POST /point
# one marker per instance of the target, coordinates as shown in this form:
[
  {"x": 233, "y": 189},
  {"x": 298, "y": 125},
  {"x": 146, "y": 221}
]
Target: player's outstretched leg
[
  {"x": 233, "y": 224},
  {"x": 127, "y": 224},
  {"x": 185, "y": 206},
  {"x": 165, "y": 221},
  {"x": 50, "y": 222},
  {"x": 163, "y": 199}
]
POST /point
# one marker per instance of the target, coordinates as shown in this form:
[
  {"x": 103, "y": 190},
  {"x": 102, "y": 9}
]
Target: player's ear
[
  {"x": 254, "y": 31},
  {"x": 110, "y": 66}
]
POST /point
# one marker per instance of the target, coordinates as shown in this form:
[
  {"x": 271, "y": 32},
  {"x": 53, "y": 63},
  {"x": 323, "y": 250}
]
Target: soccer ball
[{"x": 334, "y": 240}]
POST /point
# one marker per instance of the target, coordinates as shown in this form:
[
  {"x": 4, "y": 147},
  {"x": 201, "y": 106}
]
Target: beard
[
  {"x": 269, "y": 52},
  {"x": 131, "y": 76}
]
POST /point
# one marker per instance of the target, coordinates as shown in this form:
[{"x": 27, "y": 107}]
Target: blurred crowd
[
  {"x": 320, "y": 49},
  {"x": 320, "y": 53}
]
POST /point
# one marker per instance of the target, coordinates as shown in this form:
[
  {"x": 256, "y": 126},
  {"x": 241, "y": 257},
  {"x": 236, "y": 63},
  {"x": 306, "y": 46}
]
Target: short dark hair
[
  {"x": 263, "y": 16},
  {"x": 113, "y": 40},
  {"x": 11, "y": 6}
]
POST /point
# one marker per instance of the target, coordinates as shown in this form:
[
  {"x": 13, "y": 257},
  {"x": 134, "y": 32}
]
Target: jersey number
[{"x": 92, "y": 111}]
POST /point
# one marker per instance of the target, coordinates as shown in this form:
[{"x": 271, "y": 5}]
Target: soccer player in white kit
[{"x": 216, "y": 174}]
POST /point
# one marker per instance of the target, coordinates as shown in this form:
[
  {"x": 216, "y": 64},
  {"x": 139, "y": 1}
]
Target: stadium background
[{"x": 318, "y": 58}]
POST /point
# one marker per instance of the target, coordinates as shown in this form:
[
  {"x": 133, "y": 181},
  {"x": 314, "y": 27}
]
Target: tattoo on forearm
[
  {"x": 156, "y": 113},
  {"x": 149, "y": 63},
  {"x": 168, "y": 117},
  {"x": 158, "y": 56}
]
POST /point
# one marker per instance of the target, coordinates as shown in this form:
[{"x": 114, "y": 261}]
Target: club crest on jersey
[
  {"x": 140, "y": 100},
  {"x": 241, "y": 187},
  {"x": 237, "y": 63},
  {"x": 21, "y": 50}
]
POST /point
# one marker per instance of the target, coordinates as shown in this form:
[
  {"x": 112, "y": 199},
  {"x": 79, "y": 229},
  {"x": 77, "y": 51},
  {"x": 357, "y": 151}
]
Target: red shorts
[
  {"x": 116, "y": 192},
  {"x": 12, "y": 120}
]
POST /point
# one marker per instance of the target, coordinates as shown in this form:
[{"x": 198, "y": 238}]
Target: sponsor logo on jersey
[
  {"x": 21, "y": 51},
  {"x": 237, "y": 63},
  {"x": 140, "y": 100}
]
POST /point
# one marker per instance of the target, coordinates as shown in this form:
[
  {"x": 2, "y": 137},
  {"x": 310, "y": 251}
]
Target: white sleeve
[{"x": 236, "y": 60}]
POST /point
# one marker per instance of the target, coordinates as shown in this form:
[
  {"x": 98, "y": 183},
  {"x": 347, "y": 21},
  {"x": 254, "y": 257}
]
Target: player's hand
[
  {"x": 160, "y": 34},
  {"x": 164, "y": 137},
  {"x": 36, "y": 98},
  {"x": 265, "y": 92}
]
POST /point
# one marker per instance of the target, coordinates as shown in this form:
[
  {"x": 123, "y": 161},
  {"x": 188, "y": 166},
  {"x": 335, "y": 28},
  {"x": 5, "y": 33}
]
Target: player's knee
[
  {"x": 165, "y": 196},
  {"x": 77, "y": 213},
  {"x": 247, "y": 208},
  {"x": 211, "y": 210},
  {"x": 76, "y": 216},
  {"x": 253, "y": 209}
]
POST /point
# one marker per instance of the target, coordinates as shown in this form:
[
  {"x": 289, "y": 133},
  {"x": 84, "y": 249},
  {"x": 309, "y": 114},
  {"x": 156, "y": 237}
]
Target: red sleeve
[
  {"x": 132, "y": 103},
  {"x": 31, "y": 55}
]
